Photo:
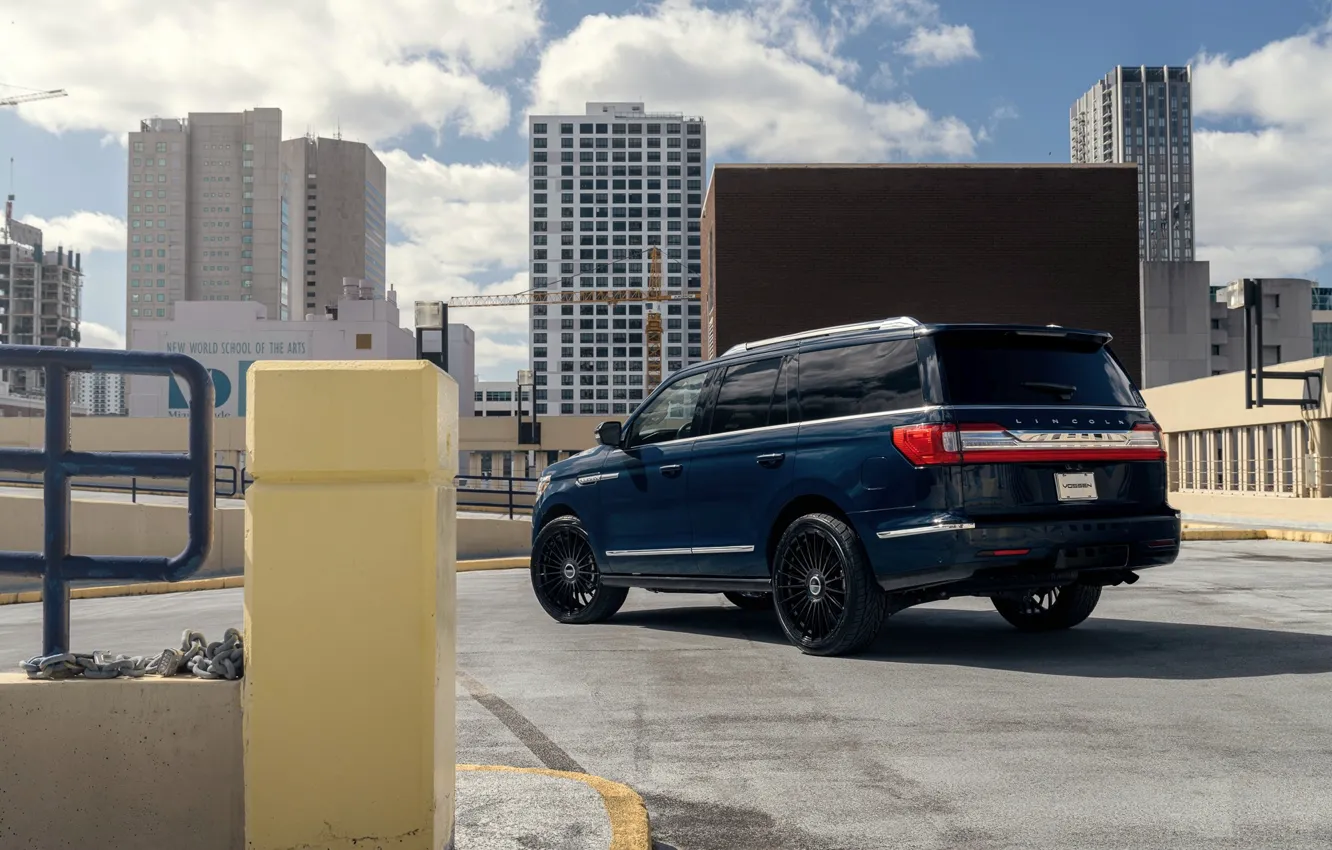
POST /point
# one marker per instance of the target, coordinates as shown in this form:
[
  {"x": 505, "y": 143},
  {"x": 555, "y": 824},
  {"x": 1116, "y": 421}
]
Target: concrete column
[{"x": 349, "y": 605}]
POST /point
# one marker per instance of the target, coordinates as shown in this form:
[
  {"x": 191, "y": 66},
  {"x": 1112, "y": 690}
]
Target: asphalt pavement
[{"x": 1194, "y": 710}]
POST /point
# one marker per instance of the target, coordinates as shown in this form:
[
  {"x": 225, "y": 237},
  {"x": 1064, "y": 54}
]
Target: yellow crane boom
[{"x": 652, "y": 294}]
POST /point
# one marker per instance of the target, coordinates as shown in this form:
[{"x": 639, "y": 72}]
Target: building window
[{"x": 363, "y": 342}]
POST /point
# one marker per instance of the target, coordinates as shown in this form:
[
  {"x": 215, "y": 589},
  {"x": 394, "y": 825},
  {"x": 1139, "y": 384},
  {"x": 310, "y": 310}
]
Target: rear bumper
[{"x": 946, "y": 549}]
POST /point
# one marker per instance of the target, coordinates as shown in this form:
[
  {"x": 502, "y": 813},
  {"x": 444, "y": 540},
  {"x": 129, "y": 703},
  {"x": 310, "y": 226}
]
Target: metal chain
[{"x": 224, "y": 659}]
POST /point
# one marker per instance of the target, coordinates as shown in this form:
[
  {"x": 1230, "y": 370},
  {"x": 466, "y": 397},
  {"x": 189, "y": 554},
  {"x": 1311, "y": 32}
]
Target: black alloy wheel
[
  {"x": 823, "y": 587},
  {"x": 749, "y": 601},
  {"x": 565, "y": 576},
  {"x": 1049, "y": 609}
]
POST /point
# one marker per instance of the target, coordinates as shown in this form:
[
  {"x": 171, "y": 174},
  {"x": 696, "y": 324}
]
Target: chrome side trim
[
  {"x": 925, "y": 529},
  {"x": 700, "y": 550},
  {"x": 585, "y": 480},
  {"x": 722, "y": 550}
]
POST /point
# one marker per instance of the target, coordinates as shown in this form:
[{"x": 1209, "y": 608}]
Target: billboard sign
[{"x": 228, "y": 356}]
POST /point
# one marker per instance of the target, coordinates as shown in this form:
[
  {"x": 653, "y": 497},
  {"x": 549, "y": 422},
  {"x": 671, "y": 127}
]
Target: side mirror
[{"x": 609, "y": 433}]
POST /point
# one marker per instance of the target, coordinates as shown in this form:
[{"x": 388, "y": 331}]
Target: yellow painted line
[
  {"x": 1257, "y": 534},
  {"x": 627, "y": 812},
  {"x": 493, "y": 564},
  {"x": 153, "y": 588},
  {"x": 1224, "y": 534}
]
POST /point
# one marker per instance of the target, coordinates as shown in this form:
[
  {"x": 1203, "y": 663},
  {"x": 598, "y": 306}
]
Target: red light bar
[{"x": 933, "y": 444}]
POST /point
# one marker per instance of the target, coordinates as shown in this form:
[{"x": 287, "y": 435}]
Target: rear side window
[
  {"x": 857, "y": 379},
  {"x": 1003, "y": 368},
  {"x": 750, "y": 396}
]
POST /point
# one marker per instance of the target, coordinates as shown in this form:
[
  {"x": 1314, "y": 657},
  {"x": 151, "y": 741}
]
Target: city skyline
[{"x": 958, "y": 81}]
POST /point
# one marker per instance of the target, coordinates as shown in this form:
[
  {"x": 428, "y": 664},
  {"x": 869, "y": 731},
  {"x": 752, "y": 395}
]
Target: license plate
[{"x": 1075, "y": 486}]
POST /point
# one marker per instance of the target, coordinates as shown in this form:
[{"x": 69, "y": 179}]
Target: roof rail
[{"x": 899, "y": 322}]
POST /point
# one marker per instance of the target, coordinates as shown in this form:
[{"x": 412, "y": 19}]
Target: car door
[
  {"x": 642, "y": 523},
  {"x": 741, "y": 468}
]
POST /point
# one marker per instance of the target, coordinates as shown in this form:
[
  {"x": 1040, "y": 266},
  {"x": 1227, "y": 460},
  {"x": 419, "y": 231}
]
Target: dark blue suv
[{"x": 843, "y": 474}]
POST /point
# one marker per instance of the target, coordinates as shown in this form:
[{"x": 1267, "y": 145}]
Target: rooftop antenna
[{"x": 339, "y": 133}]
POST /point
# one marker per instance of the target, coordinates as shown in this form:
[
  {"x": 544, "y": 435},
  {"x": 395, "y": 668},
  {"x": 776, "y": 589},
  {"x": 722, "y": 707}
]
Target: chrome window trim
[
  {"x": 698, "y": 550},
  {"x": 810, "y": 423},
  {"x": 925, "y": 529}
]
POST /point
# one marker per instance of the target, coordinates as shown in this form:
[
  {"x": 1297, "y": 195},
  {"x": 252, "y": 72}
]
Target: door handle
[
  {"x": 671, "y": 470},
  {"x": 771, "y": 461}
]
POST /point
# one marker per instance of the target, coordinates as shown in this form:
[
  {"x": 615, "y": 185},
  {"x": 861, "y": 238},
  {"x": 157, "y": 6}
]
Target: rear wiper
[{"x": 1064, "y": 391}]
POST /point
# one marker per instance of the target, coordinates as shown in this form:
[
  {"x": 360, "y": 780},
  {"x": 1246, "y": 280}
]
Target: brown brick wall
[{"x": 791, "y": 248}]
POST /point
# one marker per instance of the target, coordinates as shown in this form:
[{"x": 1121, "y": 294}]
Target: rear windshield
[{"x": 1004, "y": 368}]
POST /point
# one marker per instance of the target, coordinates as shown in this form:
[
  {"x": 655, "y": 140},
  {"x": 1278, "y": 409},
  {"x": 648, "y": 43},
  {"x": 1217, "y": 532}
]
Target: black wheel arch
[{"x": 810, "y": 503}]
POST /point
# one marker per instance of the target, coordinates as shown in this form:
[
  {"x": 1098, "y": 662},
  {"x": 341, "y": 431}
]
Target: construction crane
[
  {"x": 28, "y": 98},
  {"x": 651, "y": 325}
]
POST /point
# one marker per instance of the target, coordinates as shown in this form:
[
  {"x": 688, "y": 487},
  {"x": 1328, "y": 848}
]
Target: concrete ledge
[
  {"x": 1257, "y": 534},
  {"x": 626, "y": 810},
  {"x": 153, "y": 588},
  {"x": 127, "y": 764}
]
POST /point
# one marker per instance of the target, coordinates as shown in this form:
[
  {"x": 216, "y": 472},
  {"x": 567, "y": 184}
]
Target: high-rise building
[
  {"x": 207, "y": 219},
  {"x": 1322, "y": 321},
  {"x": 102, "y": 393},
  {"x": 1145, "y": 115},
  {"x": 41, "y": 292},
  {"x": 343, "y": 215},
  {"x": 605, "y": 187},
  {"x": 221, "y": 209}
]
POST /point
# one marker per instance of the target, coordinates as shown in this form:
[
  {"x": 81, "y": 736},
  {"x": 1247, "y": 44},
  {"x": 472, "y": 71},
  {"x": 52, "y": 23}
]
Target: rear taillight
[
  {"x": 934, "y": 444},
  {"x": 931, "y": 444}
]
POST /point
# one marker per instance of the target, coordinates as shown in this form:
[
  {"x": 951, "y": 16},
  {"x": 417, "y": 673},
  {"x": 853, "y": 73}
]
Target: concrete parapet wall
[
  {"x": 130, "y": 764},
  {"x": 103, "y": 527},
  {"x": 1281, "y": 511}
]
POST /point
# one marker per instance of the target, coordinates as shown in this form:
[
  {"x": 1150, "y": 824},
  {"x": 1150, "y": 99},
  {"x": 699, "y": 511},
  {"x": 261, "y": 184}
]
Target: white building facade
[
  {"x": 1145, "y": 115},
  {"x": 228, "y": 338},
  {"x": 606, "y": 186},
  {"x": 101, "y": 393},
  {"x": 500, "y": 398}
]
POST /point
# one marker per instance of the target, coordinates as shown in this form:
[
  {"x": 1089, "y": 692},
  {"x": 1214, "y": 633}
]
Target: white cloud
[
  {"x": 1264, "y": 205},
  {"x": 95, "y": 335},
  {"x": 766, "y": 76},
  {"x": 462, "y": 222},
  {"x": 940, "y": 45},
  {"x": 82, "y": 231},
  {"x": 324, "y": 62}
]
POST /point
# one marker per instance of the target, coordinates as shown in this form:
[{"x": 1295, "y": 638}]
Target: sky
[{"x": 441, "y": 88}]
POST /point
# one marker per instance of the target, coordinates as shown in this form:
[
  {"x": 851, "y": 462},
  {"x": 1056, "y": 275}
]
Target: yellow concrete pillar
[{"x": 349, "y": 606}]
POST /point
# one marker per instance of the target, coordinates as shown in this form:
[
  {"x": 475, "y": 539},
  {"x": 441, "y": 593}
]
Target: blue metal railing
[
  {"x": 228, "y": 483},
  {"x": 58, "y": 463}
]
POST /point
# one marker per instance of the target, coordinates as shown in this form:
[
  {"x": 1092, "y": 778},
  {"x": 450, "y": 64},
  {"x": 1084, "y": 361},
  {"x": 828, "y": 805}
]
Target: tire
[
  {"x": 819, "y": 565},
  {"x": 750, "y": 601},
  {"x": 1050, "y": 609},
  {"x": 565, "y": 576}
]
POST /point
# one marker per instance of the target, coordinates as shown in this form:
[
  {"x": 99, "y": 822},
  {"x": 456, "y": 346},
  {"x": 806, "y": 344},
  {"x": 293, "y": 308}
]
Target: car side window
[
  {"x": 874, "y": 377},
  {"x": 669, "y": 416},
  {"x": 747, "y": 395}
]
